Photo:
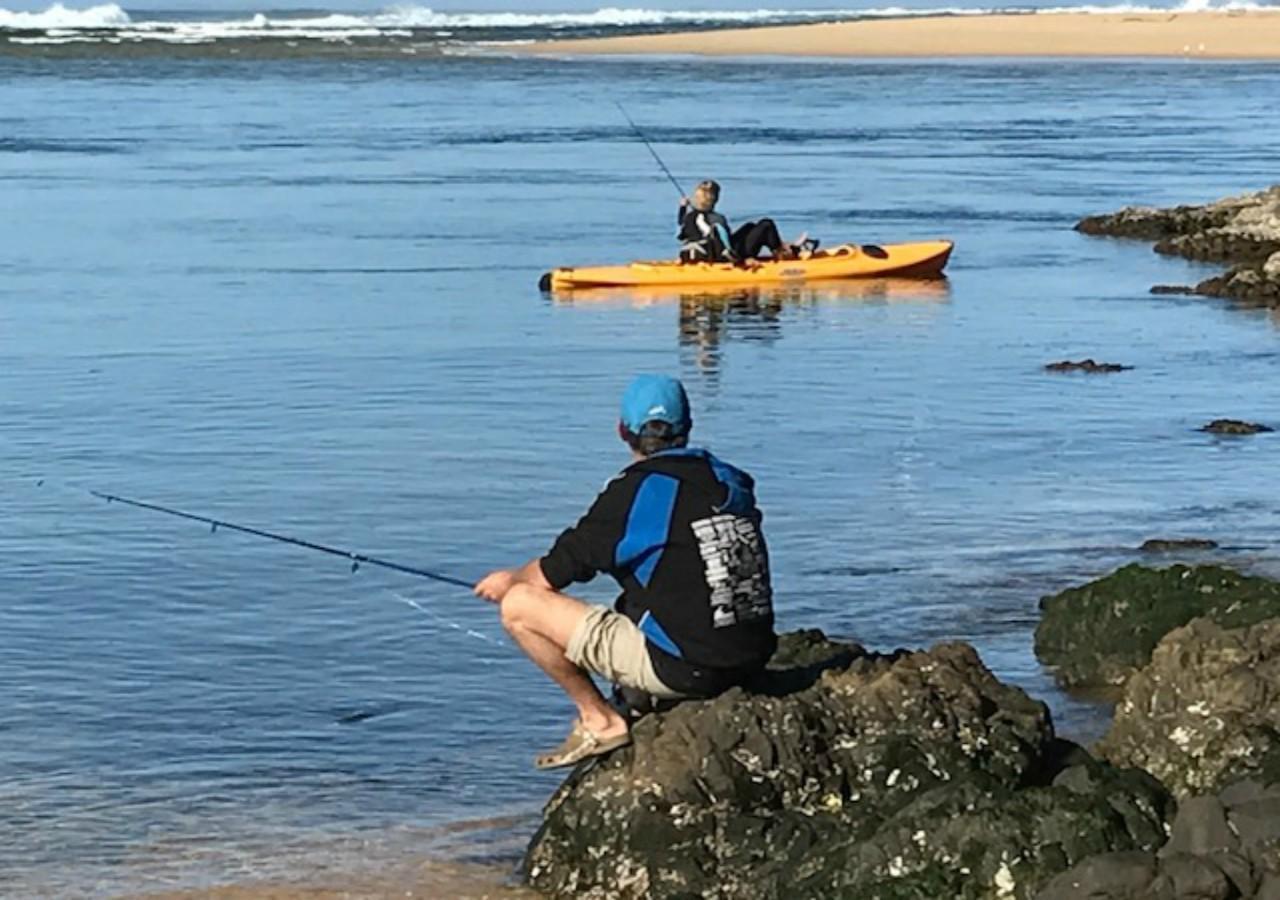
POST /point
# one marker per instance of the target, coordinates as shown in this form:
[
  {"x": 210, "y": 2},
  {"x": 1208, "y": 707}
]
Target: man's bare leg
[{"x": 542, "y": 621}]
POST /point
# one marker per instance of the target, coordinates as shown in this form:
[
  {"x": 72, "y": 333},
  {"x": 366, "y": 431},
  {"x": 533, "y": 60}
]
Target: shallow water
[{"x": 303, "y": 296}]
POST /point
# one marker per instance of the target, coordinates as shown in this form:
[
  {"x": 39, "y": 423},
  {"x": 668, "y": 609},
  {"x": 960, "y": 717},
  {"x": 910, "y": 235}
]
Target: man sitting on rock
[{"x": 680, "y": 532}]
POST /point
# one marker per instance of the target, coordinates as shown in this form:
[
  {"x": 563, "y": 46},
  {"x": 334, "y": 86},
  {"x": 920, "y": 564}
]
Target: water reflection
[{"x": 710, "y": 317}]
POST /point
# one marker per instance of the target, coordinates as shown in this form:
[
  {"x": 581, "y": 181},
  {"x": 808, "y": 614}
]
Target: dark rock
[
  {"x": 1206, "y": 710},
  {"x": 1151, "y": 223},
  {"x": 1243, "y": 231},
  {"x": 1248, "y": 287},
  {"x": 1089, "y": 776},
  {"x": 1257, "y": 823},
  {"x": 1239, "y": 870},
  {"x": 1174, "y": 545},
  {"x": 1235, "y": 426},
  {"x": 1133, "y": 875},
  {"x": 912, "y": 775},
  {"x": 810, "y": 651},
  {"x": 1215, "y": 245},
  {"x": 1175, "y": 289},
  {"x": 1097, "y": 635},
  {"x": 1062, "y": 754},
  {"x": 1087, "y": 366},
  {"x": 1243, "y": 790},
  {"x": 1186, "y": 877},
  {"x": 1269, "y": 889},
  {"x": 1200, "y": 827},
  {"x": 1109, "y": 876}
]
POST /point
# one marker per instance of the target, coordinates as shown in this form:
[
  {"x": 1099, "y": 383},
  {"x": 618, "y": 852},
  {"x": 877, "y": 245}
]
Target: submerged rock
[
  {"x": 1088, "y": 366},
  {"x": 1175, "y": 545},
  {"x": 1243, "y": 231},
  {"x": 1205, "y": 711},
  {"x": 1235, "y": 426},
  {"x": 843, "y": 773},
  {"x": 1099, "y": 634}
]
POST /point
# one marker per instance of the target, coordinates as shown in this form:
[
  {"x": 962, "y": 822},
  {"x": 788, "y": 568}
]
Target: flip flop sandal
[{"x": 579, "y": 745}]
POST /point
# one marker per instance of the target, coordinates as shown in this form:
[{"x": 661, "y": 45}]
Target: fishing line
[
  {"x": 454, "y": 626},
  {"x": 645, "y": 141}
]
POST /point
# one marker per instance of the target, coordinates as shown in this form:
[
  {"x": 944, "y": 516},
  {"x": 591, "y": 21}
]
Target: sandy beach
[{"x": 1240, "y": 35}]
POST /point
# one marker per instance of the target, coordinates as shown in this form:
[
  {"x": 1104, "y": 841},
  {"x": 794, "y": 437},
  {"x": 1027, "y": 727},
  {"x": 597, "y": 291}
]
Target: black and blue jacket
[{"x": 681, "y": 533}]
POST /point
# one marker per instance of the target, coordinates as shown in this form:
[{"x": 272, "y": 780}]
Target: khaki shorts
[{"x": 608, "y": 643}]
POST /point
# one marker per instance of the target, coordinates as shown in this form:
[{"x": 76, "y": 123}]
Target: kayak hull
[
  {"x": 855, "y": 290},
  {"x": 925, "y": 259}
]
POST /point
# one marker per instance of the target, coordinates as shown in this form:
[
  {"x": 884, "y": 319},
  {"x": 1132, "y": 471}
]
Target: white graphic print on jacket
[{"x": 737, "y": 569}]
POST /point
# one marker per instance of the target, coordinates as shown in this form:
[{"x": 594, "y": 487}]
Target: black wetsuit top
[{"x": 704, "y": 235}]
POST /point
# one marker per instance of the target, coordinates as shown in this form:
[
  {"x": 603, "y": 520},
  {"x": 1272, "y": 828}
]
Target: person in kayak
[
  {"x": 680, "y": 532},
  {"x": 705, "y": 235}
]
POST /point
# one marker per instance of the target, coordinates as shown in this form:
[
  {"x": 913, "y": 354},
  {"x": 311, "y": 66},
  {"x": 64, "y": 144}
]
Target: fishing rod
[
  {"x": 645, "y": 141},
  {"x": 356, "y": 559}
]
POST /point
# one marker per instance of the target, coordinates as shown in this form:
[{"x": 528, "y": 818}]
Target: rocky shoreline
[
  {"x": 1243, "y": 232},
  {"x": 917, "y": 775}
]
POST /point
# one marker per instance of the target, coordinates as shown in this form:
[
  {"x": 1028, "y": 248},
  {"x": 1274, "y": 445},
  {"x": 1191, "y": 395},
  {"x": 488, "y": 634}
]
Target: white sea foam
[
  {"x": 619, "y": 17},
  {"x": 59, "y": 21},
  {"x": 108, "y": 15},
  {"x": 610, "y": 17}
]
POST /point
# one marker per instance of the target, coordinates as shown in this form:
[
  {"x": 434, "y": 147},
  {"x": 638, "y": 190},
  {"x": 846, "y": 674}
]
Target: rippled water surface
[{"x": 302, "y": 295}]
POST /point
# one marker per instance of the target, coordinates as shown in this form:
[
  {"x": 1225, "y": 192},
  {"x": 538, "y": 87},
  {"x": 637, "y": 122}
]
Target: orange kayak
[{"x": 925, "y": 259}]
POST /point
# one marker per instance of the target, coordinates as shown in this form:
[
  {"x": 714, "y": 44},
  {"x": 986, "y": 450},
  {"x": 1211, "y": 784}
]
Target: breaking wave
[{"x": 57, "y": 16}]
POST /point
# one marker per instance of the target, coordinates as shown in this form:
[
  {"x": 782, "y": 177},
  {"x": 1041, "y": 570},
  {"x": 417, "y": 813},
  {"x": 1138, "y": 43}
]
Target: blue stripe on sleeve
[
  {"x": 725, "y": 238},
  {"x": 648, "y": 527}
]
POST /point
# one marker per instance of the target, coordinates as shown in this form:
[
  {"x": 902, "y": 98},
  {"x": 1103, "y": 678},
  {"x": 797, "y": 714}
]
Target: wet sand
[
  {"x": 435, "y": 880},
  {"x": 468, "y": 860},
  {"x": 1239, "y": 35}
]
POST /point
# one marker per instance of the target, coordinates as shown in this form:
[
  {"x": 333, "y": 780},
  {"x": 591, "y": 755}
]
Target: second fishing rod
[
  {"x": 644, "y": 140},
  {"x": 545, "y": 281}
]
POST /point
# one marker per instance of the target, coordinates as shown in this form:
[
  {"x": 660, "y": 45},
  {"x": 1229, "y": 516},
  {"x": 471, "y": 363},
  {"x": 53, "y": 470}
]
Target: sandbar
[{"x": 1198, "y": 35}]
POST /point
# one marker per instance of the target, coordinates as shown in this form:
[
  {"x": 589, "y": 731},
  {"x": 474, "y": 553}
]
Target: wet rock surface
[
  {"x": 1099, "y": 634},
  {"x": 1088, "y": 366},
  {"x": 843, "y": 773},
  {"x": 1242, "y": 231},
  {"x": 1202, "y": 715},
  {"x": 1205, "y": 711},
  {"x": 1223, "y": 846},
  {"x": 1235, "y": 426}
]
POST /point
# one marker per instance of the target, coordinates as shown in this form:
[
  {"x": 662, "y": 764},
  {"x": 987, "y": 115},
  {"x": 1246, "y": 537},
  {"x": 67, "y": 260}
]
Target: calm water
[{"x": 302, "y": 295}]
